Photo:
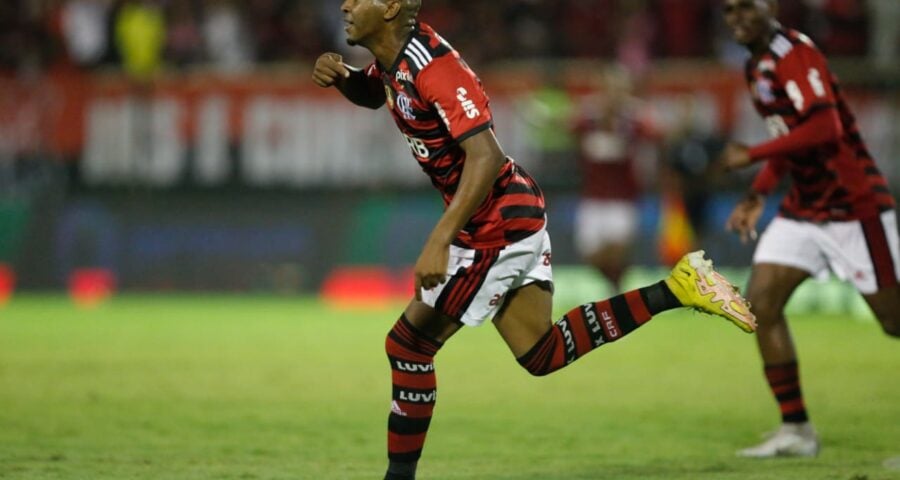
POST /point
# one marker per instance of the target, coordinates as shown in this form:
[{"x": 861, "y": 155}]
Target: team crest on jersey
[
  {"x": 404, "y": 105},
  {"x": 389, "y": 96},
  {"x": 763, "y": 89}
]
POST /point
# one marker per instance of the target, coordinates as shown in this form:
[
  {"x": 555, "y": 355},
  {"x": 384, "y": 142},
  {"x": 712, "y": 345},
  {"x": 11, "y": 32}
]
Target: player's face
[
  {"x": 749, "y": 20},
  {"x": 362, "y": 18}
]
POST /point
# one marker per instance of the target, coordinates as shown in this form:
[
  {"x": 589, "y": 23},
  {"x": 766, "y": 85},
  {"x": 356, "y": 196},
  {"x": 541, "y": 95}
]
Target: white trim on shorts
[
  {"x": 478, "y": 280},
  {"x": 863, "y": 252}
]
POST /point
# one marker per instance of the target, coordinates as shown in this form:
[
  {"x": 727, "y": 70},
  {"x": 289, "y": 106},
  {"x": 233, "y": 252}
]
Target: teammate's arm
[
  {"x": 745, "y": 216},
  {"x": 484, "y": 158},
  {"x": 820, "y": 128},
  {"x": 746, "y": 213},
  {"x": 353, "y": 83}
]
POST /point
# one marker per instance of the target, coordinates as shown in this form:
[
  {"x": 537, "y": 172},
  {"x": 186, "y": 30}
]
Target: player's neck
[
  {"x": 762, "y": 46},
  {"x": 387, "y": 48}
]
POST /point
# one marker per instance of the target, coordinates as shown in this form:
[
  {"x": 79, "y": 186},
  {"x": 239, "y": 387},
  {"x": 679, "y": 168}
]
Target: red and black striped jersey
[
  {"x": 607, "y": 149},
  {"x": 830, "y": 182},
  {"x": 438, "y": 102}
]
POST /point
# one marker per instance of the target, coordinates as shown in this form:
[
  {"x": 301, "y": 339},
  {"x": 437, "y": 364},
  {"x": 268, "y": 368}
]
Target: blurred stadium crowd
[
  {"x": 232, "y": 35},
  {"x": 180, "y": 143}
]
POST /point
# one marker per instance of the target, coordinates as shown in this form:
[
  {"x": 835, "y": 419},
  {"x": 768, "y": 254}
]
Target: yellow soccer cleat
[{"x": 697, "y": 285}]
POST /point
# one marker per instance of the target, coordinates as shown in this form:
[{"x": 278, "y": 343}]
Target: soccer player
[
  {"x": 608, "y": 131},
  {"x": 489, "y": 254},
  {"x": 837, "y": 216}
]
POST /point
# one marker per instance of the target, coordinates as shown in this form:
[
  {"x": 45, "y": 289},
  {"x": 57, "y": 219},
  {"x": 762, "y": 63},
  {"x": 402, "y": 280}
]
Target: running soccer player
[
  {"x": 838, "y": 215},
  {"x": 489, "y": 254}
]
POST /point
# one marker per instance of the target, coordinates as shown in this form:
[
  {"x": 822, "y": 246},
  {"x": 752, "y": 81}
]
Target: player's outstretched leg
[
  {"x": 693, "y": 283},
  {"x": 698, "y": 286}
]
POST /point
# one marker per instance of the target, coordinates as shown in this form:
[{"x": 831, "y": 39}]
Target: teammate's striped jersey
[
  {"x": 834, "y": 181},
  {"x": 608, "y": 141},
  {"x": 438, "y": 102}
]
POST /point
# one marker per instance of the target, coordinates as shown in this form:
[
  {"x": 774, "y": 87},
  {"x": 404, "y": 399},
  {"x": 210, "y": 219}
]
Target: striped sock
[
  {"x": 591, "y": 325},
  {"x": 784, "y": 380},
  {"x": 411, "y": 354}
]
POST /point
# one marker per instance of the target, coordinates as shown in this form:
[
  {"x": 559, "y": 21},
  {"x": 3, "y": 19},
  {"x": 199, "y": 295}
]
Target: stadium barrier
[{"x": 262, "y": 182}]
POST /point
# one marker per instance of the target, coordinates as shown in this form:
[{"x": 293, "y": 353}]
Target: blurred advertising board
[{"x": 265, "y": 130}]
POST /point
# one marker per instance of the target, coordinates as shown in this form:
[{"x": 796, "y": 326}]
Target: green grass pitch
[{"x": 221, "y": 387}]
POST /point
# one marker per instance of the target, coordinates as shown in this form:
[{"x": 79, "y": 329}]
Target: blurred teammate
[
  {"x": 838, "y": 215},
  {"x": 489, "y": 255},
  {"x": 608, "y": 131}
]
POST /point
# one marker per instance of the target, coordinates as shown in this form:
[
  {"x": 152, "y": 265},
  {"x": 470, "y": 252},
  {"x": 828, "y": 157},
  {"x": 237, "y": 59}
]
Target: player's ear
[{"x": 392, "y": 10}]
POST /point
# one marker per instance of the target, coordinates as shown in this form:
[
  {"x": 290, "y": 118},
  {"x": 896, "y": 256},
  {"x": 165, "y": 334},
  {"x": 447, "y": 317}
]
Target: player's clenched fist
[{"x": 329, "y": 69}]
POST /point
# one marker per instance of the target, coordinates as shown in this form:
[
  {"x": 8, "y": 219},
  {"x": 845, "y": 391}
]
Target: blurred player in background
[
  {"x": 837, "y": 216},
  {"x": 610, "y": 128},
  {"x": 489, "y": 254}
]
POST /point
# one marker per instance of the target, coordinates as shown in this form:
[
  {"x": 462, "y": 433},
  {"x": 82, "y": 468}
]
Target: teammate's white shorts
[
  {"x": 478, "y": 280},
  {"x": 601, "y": 222},
  {"x": 864, "y": 252}
]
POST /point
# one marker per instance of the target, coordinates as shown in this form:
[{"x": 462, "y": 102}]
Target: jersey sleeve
[
  {"x": 806, "y": 79},
  {"x": 372, "y": 72},
  {"x": 373, "y": 85},
  {"x": 457, "y": 95},
  {"x": 769, "y": 176}
]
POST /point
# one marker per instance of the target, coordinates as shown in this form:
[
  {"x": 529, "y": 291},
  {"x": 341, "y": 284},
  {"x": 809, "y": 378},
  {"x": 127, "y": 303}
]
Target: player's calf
[
  {"x": 885, "y": 304},
  {"x": 592, "y": 325}
]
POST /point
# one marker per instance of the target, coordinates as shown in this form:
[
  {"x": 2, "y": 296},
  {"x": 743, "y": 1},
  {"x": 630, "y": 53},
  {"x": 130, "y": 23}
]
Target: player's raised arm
[
  {"x": 484, "y": 157},
  {"x": 353, "y": 83}
]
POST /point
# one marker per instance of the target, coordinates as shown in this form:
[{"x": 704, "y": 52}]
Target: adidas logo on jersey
[{"x": 468, "y": 105}]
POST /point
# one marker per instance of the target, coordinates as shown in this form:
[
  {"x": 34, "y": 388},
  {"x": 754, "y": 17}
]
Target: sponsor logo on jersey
[
  {"x": 467, "y": 105},
  {"x": 403, "y": 76},
  {"x": 404, "y": 105}
]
